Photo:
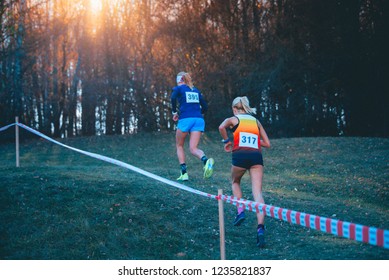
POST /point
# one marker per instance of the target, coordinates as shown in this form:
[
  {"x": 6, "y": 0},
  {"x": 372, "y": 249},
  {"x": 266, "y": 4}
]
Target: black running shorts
[{"x": 247, "y": 159}]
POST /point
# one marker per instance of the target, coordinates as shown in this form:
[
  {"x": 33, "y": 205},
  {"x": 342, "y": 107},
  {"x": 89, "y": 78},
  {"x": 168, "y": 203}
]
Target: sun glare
[{"x": 95, "y": 6}]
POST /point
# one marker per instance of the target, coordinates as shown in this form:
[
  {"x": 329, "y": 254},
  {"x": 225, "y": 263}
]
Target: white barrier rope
[
  {"x": 6, "y": 127},
  {"x": 120, "y": 163},
  {"x": 371, "y": 235}
]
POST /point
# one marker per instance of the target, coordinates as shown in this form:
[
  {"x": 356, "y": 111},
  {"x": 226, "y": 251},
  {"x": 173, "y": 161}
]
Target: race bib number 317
[
  {"x": 192, "y": 97},
  {"x": 248, "y": 140}
]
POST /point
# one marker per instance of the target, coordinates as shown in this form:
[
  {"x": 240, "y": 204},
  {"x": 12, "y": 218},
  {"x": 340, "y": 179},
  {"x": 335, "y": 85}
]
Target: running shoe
[
  {"x": 183, "y": 177},
  {"x": 239, "y": 219},
  {"x": 261, "y": 237},
  {"x": 208, "y": 168}
]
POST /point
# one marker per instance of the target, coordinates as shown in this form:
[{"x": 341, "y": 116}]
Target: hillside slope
[{"x": 63, "y": 205}]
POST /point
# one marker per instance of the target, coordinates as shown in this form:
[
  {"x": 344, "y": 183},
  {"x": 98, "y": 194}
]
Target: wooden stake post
[
  {"x": 221, "y": 226},
  {"x": 17, "y": 141}
]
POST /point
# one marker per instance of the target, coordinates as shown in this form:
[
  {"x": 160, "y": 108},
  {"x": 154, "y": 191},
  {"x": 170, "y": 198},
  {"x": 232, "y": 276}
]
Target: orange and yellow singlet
[{"x": 246, "y": 134}]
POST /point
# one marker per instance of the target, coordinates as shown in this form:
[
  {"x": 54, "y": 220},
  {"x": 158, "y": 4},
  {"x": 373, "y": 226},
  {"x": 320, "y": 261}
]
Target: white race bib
[
  {"x": 248, "y": 140},
  {"x": 192, "y": 97}
]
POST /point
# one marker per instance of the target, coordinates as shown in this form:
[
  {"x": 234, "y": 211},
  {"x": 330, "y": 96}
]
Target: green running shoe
[
  {"x": 208, "y": 168},
  {"x": 183, "y": 177}
]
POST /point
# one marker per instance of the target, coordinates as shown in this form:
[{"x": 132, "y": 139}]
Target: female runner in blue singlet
[{"x": 192, "y": 106}]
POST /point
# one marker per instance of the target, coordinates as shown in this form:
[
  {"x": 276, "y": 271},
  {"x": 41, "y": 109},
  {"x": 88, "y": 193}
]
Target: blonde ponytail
[
  {"x": 185, "y": 78},
  {"x": 243, "y": 103}
]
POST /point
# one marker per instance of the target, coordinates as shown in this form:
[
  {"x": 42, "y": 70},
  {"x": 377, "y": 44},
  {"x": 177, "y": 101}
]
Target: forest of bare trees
[{"x": 87, "y": 67}]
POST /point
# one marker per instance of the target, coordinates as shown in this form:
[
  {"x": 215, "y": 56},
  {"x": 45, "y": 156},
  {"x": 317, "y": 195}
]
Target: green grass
[{"x": 63, "y": 205}]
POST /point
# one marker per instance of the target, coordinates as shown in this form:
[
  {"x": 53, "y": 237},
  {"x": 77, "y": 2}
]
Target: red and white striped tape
[{"x": 370, "y": 235}]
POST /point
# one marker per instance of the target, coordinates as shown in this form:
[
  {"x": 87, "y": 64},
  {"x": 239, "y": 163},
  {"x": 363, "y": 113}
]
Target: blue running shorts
[{"x": 191, "y": 124}]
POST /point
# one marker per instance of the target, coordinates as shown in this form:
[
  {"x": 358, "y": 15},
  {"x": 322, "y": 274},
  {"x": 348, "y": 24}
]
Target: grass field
[{"x": 63, "y": 205}]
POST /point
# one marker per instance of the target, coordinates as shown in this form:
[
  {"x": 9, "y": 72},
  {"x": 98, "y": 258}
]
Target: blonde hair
[
  {"x": 243, "y": 103},
  {"x": 186, "y": 78}
]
